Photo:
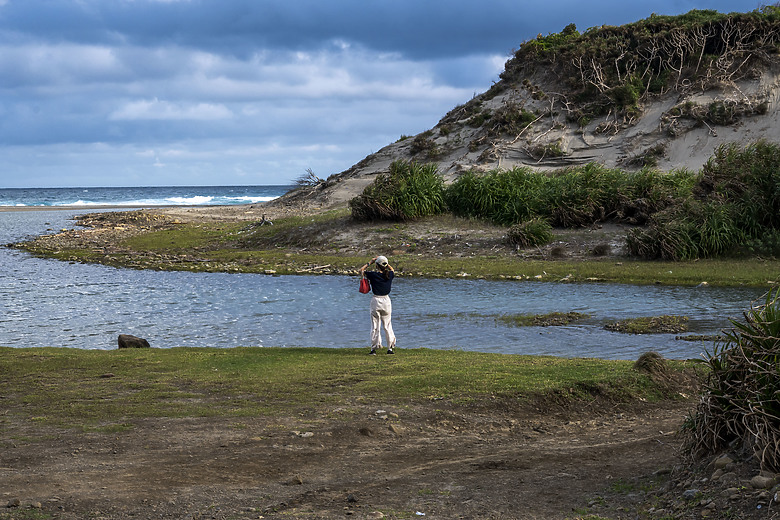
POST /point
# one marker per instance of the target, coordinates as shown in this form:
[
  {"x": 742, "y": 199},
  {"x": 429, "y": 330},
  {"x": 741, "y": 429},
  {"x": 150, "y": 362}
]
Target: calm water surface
[{"x": 53, "y": 303}]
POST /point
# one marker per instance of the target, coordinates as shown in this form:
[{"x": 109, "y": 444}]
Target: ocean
[{"x": 140, "y": 196}]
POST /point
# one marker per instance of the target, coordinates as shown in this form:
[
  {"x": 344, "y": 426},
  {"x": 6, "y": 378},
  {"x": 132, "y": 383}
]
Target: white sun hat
[{"x": 381, "y": 260}]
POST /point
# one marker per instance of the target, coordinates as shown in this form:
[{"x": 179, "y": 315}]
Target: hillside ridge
[{"x": 549, "y": 111}]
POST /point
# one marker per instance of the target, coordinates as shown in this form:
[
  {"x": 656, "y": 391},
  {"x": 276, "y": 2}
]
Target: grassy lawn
[{"x": 96, "y": 389}]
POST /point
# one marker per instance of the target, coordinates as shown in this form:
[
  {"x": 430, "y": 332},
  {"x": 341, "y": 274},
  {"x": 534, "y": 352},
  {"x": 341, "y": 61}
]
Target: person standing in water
[{"x": 381, "y": 308}]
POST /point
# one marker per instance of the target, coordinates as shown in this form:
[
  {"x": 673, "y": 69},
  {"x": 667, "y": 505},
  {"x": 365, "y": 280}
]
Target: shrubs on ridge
[
  {"x": 740, "y": 402},
  {"x": 612, "y": 70}
]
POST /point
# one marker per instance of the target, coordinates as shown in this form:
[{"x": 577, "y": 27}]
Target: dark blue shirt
[{"x": 379, "y": 284}]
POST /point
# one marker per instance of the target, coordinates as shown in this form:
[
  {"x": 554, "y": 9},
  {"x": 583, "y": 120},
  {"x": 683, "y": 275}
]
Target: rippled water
[{"x": 53, "y": 303}]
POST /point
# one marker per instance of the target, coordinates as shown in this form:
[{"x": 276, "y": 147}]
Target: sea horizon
[{"x": 139, "y": 196}]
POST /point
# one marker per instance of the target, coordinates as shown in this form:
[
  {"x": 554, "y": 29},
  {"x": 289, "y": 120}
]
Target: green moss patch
[
  {"x": 541, "y": 320},
  {"x": 650, "y": 325}
]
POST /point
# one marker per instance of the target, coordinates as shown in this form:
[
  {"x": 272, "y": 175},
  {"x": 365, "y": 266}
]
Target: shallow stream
[{"x": 54, "y": 303}]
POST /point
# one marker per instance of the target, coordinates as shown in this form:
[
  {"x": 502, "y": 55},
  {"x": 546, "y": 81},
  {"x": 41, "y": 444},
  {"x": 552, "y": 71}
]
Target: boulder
[{"x": 130, "y": 341}]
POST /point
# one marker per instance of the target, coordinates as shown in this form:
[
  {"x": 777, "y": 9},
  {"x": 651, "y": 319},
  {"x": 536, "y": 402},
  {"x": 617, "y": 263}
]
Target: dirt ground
[{"x": 409, "y": 460}]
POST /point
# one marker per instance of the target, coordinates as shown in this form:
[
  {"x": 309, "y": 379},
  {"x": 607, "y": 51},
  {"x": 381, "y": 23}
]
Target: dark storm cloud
[{"x": 414, "y": 28}]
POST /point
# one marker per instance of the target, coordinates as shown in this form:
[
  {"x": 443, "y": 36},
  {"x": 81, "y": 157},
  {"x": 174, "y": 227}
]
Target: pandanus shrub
[
  {"x": 531, "y": 233},
  {"x": 574, "y": 197},
  {"x": 740, "y": 402},
  {"x": 735, "y": 203},
  {"x": 407, "y": 192}
]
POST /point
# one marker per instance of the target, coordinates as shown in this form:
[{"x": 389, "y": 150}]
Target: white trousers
[{"x": 381, "y": 310}]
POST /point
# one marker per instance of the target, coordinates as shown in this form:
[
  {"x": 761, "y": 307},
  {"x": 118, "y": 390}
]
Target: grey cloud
[{"x": 263, "y": 86}]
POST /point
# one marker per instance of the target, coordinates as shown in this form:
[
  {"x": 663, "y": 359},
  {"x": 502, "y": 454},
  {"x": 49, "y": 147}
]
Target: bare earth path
[{"x": 491, "y": 460}]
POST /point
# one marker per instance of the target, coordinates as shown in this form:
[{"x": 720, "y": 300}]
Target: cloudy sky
[{"x": 245, "y": 92}]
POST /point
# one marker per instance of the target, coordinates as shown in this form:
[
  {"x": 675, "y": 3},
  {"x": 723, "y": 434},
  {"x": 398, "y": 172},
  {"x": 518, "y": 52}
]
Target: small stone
[
  {"x": 762, "y": 482},
  {"x": 690, "y": 494},
  {"x": 14, "y": 502},
  {"x": 723, "y": 461},
  {"x": 729, "y": 479},
  {"x": 130, "y": 341}
]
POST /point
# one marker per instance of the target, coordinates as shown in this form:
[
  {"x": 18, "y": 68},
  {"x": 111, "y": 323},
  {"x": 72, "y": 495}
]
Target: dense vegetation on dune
[{"x": 730, "y": 207}]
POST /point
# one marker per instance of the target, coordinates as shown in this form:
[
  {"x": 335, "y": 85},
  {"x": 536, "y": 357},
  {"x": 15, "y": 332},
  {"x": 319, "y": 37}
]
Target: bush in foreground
[{"x": 740, "y": 403}]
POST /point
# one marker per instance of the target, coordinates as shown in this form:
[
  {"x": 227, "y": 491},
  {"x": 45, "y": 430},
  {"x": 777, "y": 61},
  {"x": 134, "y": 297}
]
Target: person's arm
[{"x": 366, "y": 266}]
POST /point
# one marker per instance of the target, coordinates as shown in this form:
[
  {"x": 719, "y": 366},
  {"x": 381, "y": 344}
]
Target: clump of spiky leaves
[
  {"x": 531, "y": 233},
  {"x": 408, "y": 191},
  {"x": 740, "y": 401},
  {"x": 736, "y": 202},
  {"x": 694, "y": 229},
  {"x": 572, "y": 198},
  {"x": 503, "y": 197}
]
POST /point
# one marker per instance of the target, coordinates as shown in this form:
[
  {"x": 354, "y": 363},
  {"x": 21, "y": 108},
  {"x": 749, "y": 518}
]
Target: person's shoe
[
  {"x": 373, "y": 352},
  {"x": 390, "y": 351}
]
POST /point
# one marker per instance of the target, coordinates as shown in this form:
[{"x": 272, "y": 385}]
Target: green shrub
[
  {"x": 503, "y": 197},
  {"x": 510, "y": 119},
  {"x": 695, "y": 229},
  {"x": 735, "y": 202},
  {"x": 646, "y": 192},
  {"x": 750, "y": 178},
  {"x": 531, "y": 233},
  {"x": 671, "y": 237},
  {"x": 408, "y": 191},
  {"x": 766, "y": 245},
  {"x": 571, "y": 198},
  {"x": 424, "y": 144}
]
